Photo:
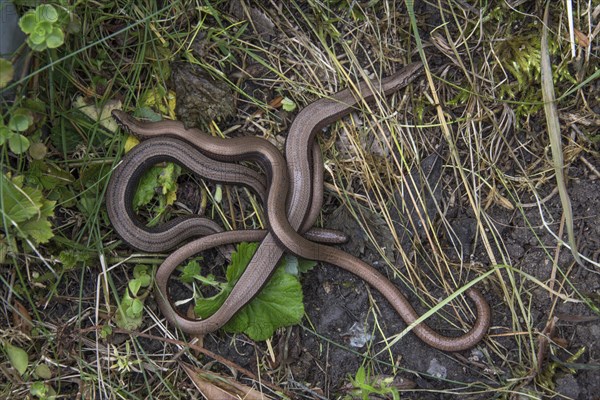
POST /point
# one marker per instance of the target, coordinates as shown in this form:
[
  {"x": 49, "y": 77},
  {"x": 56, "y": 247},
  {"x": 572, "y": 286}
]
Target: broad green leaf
[
  {"x": 278, "y": 304},
  {"x": 20, "y": 121},
  {"x": 146, "y": 188},
  {"x": 28, "y": 22},
  {"x": 134, "y": 286},
  {"x": 18, "y": 204},
  {"x": 55, "y": 39},
  {"x": 26, "y": 207},
  {"x": 239, "y": 261},
  {"x": 46, "y": 12},
  {"x": 6, "y": 72},
  {"x": 18, "y": 143},
  {"x": 39, "y": 230},
  {"x": 38, "y": 37},
  {"x": 43, "y": 371},
  {"x": 17, "y": 357},
  {"x": 158, "y": 177}
]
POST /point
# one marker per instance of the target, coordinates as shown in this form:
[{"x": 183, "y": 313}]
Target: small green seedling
[{"x": 44, "y": 27}]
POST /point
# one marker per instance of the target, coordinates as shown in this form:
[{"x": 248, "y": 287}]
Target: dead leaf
[
  {"x": 216, "y": 386},
  {"x": 21, "y": 318},
  {"x": 581, "y": 38}
]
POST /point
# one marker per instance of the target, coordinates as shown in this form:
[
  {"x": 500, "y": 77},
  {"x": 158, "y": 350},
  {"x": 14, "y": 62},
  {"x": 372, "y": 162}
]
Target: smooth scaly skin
[
  {"x": 168, "y": 235},
  {"x": 282, "y": 230}
]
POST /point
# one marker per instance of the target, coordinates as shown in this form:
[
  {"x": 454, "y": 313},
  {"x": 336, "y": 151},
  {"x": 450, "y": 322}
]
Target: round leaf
[
  {"x": 38, "y": 38},
  {"x": 42, "y": 371},
  {"x": 20, "y": 121},
  {"x": 18, "y": 357},
  {"x": 6, "y": 72},
  {"x": 46, "y": 12},
  {"x": 55, "y": 39},
  {"x": 18, "y": 144},
  {"x": 38, "y": 151},
  {"x": 28, "y": 22}
]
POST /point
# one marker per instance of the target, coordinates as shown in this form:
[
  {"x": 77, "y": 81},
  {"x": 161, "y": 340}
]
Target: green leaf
[
  {"x": 165, "y": 178},
  {"x": 141, "y": 273},
  {"x": 70, "y": 258},
  {"x": 129, "y": 313},
  {"x": 44, "y": 28},
  {"x": 148, "y": 114},
  {"x": 46, "y": 13},
  {"x": 136, "y": 309},
  {"x": 42, "y": 371},
  {"x": 361, "y": 375},
  {"x": 18, "y": 203},
  {"x": 288, "y": 104},
  {"x": 168, "y": 178},
  {"x": 305, "y": 265},
  {"x": 18, "y": 143},
  {"x": 17, "y": 357},
  {"x": 278, "y": 304},
  {"x": 5, "y": 134},
  {"x": 134, "y": 286},
  {"x": 39, "y": 230},
  {"x": 39, "y": 389},
  {"x": 6, "y": 72},
  {"x": 20, "y": 121},
  {"x": 26, "y": 208},
  {"x": 106, "y": 331},
  {"x": 55, "y": 39},
  {"x": 28, "y": 22},
  {"x": 190, "y": 271},
  {"x": 38, "y": 37}
]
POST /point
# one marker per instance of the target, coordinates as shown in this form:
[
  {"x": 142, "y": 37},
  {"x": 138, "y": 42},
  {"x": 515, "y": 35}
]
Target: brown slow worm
[
  {"x": 168, "y": 235},
  {"x": 283, "y": 232}
]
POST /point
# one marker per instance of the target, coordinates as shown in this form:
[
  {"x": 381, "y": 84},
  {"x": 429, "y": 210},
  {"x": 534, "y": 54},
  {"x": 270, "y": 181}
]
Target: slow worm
[{"x": 288, "y": 213}]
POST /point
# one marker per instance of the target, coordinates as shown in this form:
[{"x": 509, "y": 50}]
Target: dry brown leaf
[
  {"x": 581, "y": 38},
  {"x": 216, "y": 386},
  {"x": 21, "y": 318}
]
